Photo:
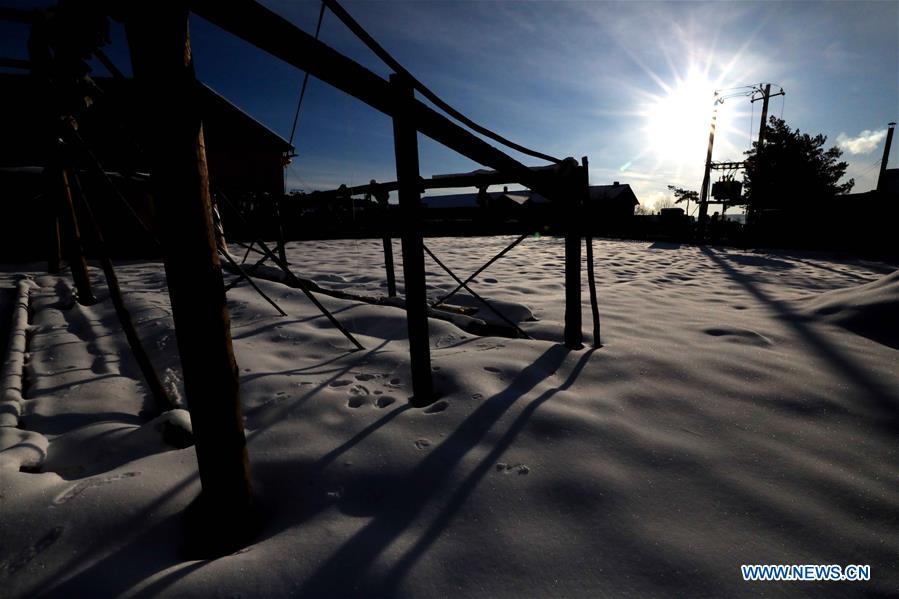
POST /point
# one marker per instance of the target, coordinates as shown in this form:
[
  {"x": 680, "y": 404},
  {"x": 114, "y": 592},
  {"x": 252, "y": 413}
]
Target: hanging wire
[
  {"x": 296, "y": 116},
  {"x": 751, "y": 121},
  {"x": 390, "y": 61}
]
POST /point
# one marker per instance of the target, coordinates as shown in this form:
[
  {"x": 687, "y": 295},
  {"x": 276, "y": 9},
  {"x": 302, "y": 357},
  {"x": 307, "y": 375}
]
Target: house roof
[
  {"x": 616, "y": 191},
  {"x": 21, "y": 118},
  {"x": 213, "y": 97}
]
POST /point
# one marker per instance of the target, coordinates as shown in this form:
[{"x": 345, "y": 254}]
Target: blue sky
[{"x": 628, "y": 84}]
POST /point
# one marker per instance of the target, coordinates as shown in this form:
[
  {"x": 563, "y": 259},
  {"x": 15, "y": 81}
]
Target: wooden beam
[
  {"x": 163, "y": 69},
  {"x": 272, "y": 33},
  {"x": 452, "y": 181},
  {"x": 405, "y": 141}
]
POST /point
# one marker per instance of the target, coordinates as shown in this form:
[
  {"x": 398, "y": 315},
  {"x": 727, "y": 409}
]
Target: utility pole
[
  {"x": 704, "y": 190},
  {"x": 765, "y": 96},
  {"x": 886, "y": 156}
]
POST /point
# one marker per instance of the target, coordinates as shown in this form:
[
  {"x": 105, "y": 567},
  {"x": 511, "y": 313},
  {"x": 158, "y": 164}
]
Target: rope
[
  {"x": 296, "y": 116},
  {"x": 375, "y": 47}
]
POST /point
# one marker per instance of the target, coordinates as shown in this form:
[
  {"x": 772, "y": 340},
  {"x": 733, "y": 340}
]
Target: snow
[{"x": 742, "y": 410}]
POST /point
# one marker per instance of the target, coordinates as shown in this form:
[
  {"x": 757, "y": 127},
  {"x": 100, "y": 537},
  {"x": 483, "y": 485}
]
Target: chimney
[
  {"x": 505, "y": 189},
  {"x": 615, "y": 183},
  {"x": 886, "y": 156}
]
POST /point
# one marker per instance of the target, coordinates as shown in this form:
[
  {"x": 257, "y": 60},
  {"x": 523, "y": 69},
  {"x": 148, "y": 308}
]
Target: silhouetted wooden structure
[
  {"x": 246, "y": 160},
  {"x": 171, "y": 134}
]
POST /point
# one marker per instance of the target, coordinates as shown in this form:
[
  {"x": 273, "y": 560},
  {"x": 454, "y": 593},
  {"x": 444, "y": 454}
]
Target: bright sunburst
[{"x": 677, "y": 122}]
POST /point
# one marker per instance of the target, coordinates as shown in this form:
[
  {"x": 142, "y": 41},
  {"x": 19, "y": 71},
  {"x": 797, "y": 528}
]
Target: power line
[{"x": 296, "y": 116}]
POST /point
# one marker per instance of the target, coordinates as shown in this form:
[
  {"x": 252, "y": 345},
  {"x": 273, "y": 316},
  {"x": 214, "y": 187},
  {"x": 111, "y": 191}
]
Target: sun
[{"x": 676, "y": 123}]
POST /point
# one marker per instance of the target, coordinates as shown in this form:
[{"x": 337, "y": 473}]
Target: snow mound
[
  {"x": 21, "y": 450},
  {"x": 514, "y": 311},
  {"x": 870, "y": 310}
]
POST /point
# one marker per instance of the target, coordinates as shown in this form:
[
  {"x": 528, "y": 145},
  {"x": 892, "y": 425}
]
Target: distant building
[
  {"x": 890, "y": 181},
  {"x": 615, "y": 202},
  {"x": 243, "y": 154}
]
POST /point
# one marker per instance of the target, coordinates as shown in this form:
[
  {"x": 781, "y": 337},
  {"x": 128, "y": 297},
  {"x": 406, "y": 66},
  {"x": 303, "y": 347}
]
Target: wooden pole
[
  {"x": 571, "y": 208},
  {"x": 54, "y": 245},
  {"x": 382, "y": 197},
  {"x": 388, "y": 265},
  {"x": 282, "y": 253},
  {"x": 75, "y": 246},
  {"x": 163, "y": 69},
  {"x": 405, "y": 139},
  {"x": 588, "y": 239},
  {"x": 706, "y": 176}
]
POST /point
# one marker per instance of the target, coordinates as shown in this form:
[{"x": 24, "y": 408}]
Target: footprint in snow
[
  {"x": 422, "y": 444},
  {"x": 492, "y": 369},
  {"x": 356, "y": 402},
  {"x": 341, "y": 383},
  {"x": 436, "y": 407},
  {"x": 365, "y": 377},
  {"x": 520, "y": 469},
  {"x": 384, "y": 401},
  {"x": 20, "y": 560},
  {"x": 740, "y": 336}
]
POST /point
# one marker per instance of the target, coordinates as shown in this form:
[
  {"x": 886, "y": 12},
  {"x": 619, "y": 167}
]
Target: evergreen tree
[{"x": 793, "y": 170}]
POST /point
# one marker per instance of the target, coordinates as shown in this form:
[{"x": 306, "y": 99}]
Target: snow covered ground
[{"x": 744, "y": 409}]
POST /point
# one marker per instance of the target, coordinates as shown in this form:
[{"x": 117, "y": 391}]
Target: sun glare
[{"x": 677, "y": 123}]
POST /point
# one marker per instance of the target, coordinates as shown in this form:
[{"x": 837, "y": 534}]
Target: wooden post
[
  {"x": 282, "y": 253},
  {"x": 54, "y": 243},
  {"x": 588, "y": 239},
  {"x": 161, "y": 61},
  {"x": 405, "y": 140},
  {"x": 382, "y": 197},
  {"x": 388, "y": 265},
  {"x": 572, "y": 199},
  {"x": 75, "y": 249}
]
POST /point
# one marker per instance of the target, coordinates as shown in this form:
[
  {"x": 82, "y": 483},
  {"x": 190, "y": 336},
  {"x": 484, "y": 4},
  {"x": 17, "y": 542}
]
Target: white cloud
[{"x": 863, "y": 143}]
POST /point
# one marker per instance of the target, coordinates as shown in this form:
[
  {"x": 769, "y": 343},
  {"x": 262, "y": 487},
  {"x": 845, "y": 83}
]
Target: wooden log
[
  {"x": 75, "y": 246},
  {"x": 163, "y": 69},
  {"x": 405, "y": 140}
]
